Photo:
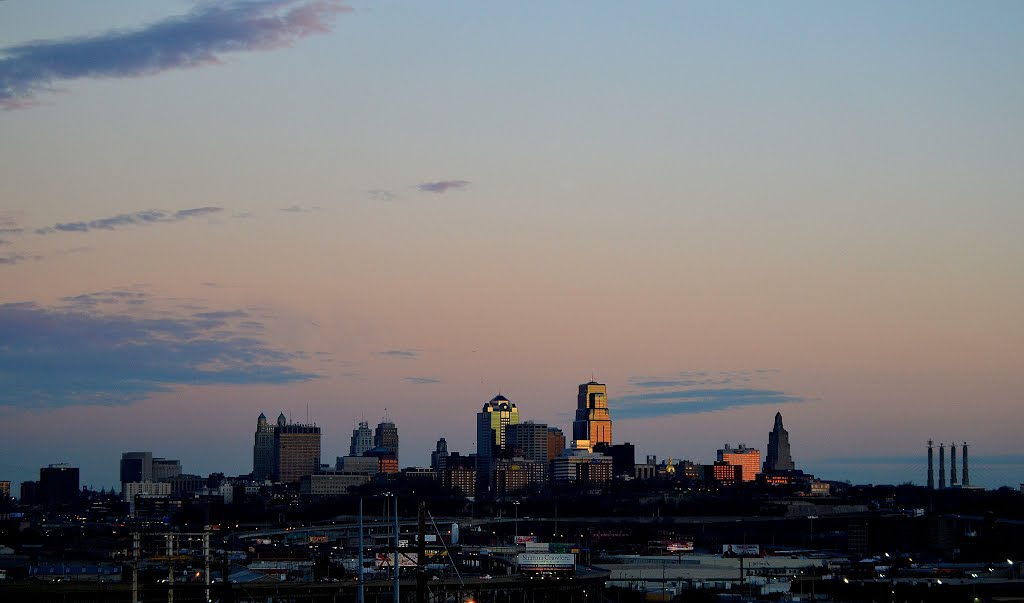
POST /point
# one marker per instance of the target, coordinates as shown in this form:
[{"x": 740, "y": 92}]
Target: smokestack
[
  {"x": 942, "y": 466},
  {"x": 952, "y": 465},
  {"x": 967, "y": 479},
  {"x": 931, "y": 470}
]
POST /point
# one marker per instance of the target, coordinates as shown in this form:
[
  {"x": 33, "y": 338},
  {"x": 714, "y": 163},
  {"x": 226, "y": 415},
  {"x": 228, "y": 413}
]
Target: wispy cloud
[
  {"x": 422, "y": 380},
  {"x": 195, "y": 39},
  {"x": 442, "y": 186},
  {"x": 16, "y": 258},
  {"x": 110, "y": 296},
  {"x": 381, "y": 194},
  {"x": 692, "y": 392},
  {"x": 702, "y": 378},
  {"x": 74, "y": 250},
  {"x": 695, "y": 401},
  {"x": 221, "y": 315},
  {"x": 151, "y": 216},
  {"x": 88, "y": 353},
  {"x": 9, "y": 225},
  {"x": 405, "y": 354}
]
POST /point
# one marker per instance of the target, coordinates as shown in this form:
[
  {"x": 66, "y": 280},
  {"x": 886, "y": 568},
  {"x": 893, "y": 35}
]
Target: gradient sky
[{"x": 721, "y": 210}]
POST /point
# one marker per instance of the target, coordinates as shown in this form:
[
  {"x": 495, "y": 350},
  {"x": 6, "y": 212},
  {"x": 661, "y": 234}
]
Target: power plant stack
[
  {"x": 952, "y": 465},
  {"x": 942, "y": 466},
  {"x": 931, "y": 464},
  {"x": 967, "y": 480}
]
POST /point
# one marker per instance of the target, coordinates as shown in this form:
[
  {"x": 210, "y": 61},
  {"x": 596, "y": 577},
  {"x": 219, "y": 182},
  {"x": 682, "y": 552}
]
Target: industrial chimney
[
  {"x": 952, "y": 465},
  {"x": 967, "y": 479},
  {"x": 942, "y": 466},
  {"x": 931, "y": 470}
]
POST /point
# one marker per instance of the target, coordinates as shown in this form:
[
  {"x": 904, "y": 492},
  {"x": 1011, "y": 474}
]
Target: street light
[{"x": 515, "y": 505}]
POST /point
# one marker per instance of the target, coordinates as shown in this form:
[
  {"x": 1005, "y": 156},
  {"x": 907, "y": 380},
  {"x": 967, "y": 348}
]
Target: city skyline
[
  {"x": 918, "y": 464},
  {"x": 334, "y": 208}
]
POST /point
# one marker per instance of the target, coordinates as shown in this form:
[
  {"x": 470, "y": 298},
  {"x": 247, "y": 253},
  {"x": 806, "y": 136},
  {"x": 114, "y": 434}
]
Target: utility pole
[
  {"x": 421, "y": 554},
  {"x": 359, "y": 589},
  {"x": 397, "y": 598},
  {"x": 136, "y": 544},
  {"x": 206, "y": 563},
  {"x": 170, "y": 568}
]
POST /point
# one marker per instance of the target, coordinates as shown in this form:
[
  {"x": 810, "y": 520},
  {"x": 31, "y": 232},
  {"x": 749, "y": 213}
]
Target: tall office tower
[
  {"x": 296, "y": 451},
  {"x": 386, "y": 436},
  {"x": 263, "y": 450},
  {"x": 58, "y": 485},
  {"x": 5, "y": 490},
  {"x": 362, "y": 439},
  {"x": 439, "y": 457},
  {"x": 931, "y": 469},
  {"x": 952, "y": 465},
  {"x": 136, "y": 467},
  {"x": 942, "y": 466},
  {"x": 748, "y": 458},
  {"x": 778, "y": 457},
  {"x": 528, "y": 440},
  {"x": 556, "y": 443},
  {"x": 165, "y": 469},
  {"x": 491, "y": 424},
  {"x": 593, "y": 423}
]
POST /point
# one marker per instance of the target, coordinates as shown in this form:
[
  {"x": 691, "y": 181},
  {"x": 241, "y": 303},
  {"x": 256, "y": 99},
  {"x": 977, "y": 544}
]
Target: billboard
[
  {"x": 741, "y": 550},
  {"x": 525, "y": 539},
  {"x": 544, "y": 561},
  {"x": 386, "y": 560},
  {"x": 679, "y": 546}
]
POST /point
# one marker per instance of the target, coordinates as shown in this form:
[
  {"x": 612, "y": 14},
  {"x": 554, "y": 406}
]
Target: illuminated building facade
[
  {"x": 491, "y": 424},
  {"x": 556, "y": 443},
  {"x": 726, "y": 473},
  {"x": 747, "y": 458},
  {"x": 593, "y": 423},
  {"x": 582, "y": 466}
]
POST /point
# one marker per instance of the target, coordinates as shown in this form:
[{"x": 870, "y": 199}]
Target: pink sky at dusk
[{"x": 815, "y": 212}]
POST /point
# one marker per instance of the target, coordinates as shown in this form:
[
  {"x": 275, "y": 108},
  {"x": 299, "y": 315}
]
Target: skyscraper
[
  {"x": 778, "y": 457},
  {"x": 491, "y": 423},
  {"x": 556, "y": 443},
  {"x": 296, "y": 450},
  {"x": 386, "y": 436},
  {"x": 593, "y": 423},
  {"x": 362, "y": 439},
  {"x": 439, "y": 457},
  {"x": 58, "y": 485},
  {"x": 263, "y": 450},
  {"x": 136, "y": 467},
  {"x": 528, "y": 440}
]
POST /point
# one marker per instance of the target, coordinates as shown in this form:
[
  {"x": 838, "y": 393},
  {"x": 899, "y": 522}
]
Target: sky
[{"x": 346, "y": 210}]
